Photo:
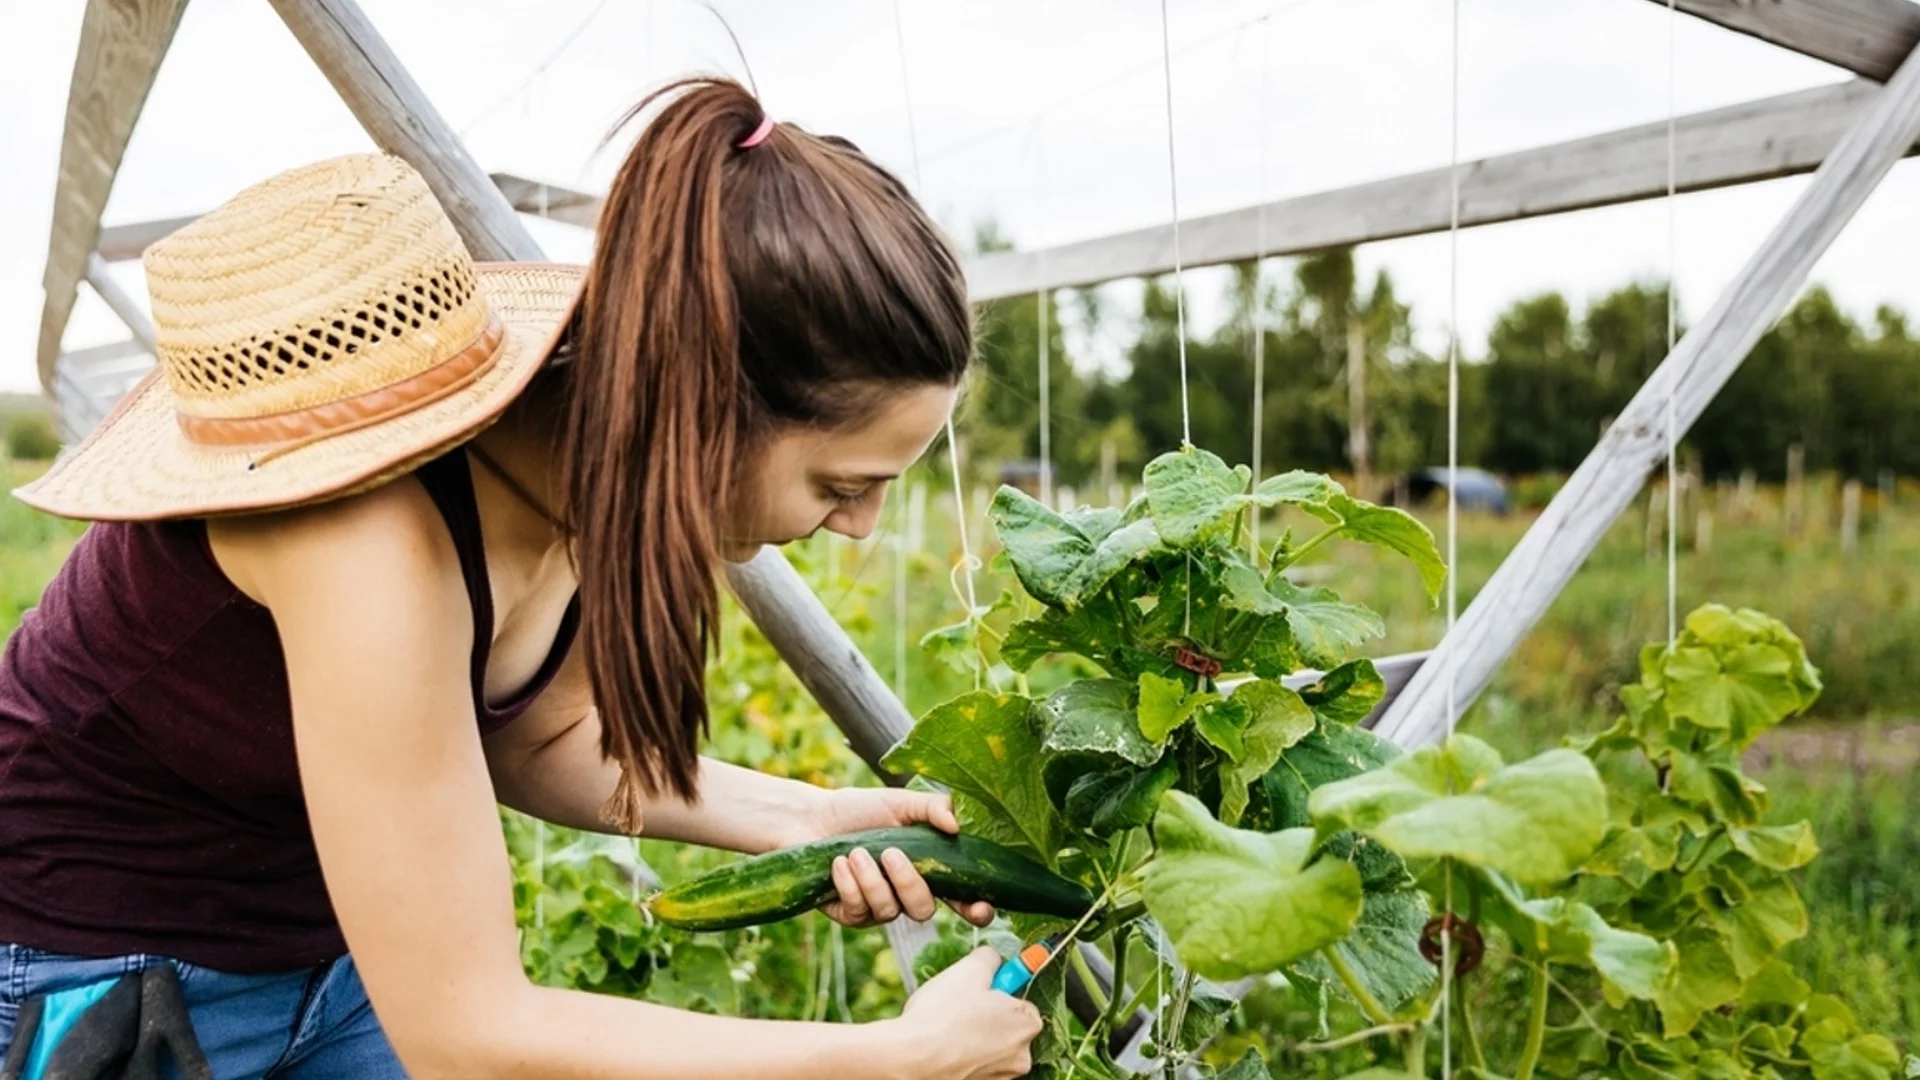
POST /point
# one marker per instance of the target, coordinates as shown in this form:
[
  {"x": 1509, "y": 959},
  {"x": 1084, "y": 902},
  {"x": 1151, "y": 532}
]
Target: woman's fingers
[
  {"x": 854, "y": 910},
  {"x": 915, "y": 896},
  {"x": 940, "y": 814},
  {"x": 874, "y": 887},
  {"x": 979, "y": 913}
]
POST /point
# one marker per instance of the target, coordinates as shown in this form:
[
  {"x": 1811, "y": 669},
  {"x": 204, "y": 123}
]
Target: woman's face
[{"x": 806, "y": 479}]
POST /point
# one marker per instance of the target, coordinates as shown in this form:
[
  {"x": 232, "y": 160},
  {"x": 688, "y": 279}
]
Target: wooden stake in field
[
  {"x": 1850, "y": 517},
  {"x": 1796, "y": 498}
]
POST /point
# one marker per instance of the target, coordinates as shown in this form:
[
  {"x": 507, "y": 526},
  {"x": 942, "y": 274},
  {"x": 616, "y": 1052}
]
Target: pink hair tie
[{"x": 759, "y": 134}]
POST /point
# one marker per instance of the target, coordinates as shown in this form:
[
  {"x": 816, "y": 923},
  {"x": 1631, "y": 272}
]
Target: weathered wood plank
[
  {"x": 121, "y": 45},
  {"x": 1606, "y": 482},
  {"x": 1866, "y": 37},
  {"x": 1758, "y": 140},
  {"x": 122, "y": 243},
  {"x": 100, "y": 279},
  {"x": 401, "y": 119},
  {"x": 542, "y": 199}
]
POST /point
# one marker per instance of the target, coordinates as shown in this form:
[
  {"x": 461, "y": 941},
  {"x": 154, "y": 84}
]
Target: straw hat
[{"x": 320, "y": 334}]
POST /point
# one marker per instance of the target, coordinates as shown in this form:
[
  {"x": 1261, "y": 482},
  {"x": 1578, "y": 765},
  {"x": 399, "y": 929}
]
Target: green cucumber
[{"x": 781, "y": 884}]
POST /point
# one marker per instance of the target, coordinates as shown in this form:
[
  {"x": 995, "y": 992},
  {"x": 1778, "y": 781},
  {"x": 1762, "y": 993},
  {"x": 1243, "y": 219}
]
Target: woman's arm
[
  {"x": 547, "y": 763},
  {"x": 376, "y": 630}
]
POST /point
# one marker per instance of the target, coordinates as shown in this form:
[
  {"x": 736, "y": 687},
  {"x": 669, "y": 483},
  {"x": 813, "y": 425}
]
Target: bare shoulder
[{"x": 389, "y": 544}]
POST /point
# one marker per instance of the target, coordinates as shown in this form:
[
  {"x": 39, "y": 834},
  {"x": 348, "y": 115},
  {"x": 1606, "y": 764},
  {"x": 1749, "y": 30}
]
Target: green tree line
[{"x": 1551, "y": 378}]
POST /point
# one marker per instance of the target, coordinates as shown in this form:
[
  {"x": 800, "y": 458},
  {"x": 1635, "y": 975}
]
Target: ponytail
[{"x": 744, "y": 276}]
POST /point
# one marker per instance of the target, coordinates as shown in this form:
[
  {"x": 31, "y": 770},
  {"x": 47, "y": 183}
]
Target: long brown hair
[{"x": 733, "y": 290}]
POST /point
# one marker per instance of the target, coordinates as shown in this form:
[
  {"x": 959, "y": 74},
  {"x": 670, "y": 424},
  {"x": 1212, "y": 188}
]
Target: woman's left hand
[{"x": 879, "y": 886}]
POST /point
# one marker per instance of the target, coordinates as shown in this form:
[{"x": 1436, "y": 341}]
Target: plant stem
[
  {"x": 1369, "y": 1004},
  {"x": 1416, "y": 1051},
  {"x": 1345, "y": 1041},
  {"x": 1079, "y": 962},
  {"x": 1120, "y": 941},
  {"x": 1475, "y": 1055},
  {"x": 1301, "y": 552},
  {"x": 1170, "y": 1039},
  {"x": 1536, "y": 1028}
]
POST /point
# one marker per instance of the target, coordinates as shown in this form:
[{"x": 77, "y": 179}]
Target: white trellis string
[
  {"x": 967, "y": 561},
  {"x": 1673, "y": 387},
  {"x": 1453, "y": 500},
  {"x": 1259, "y": 308},
  {"x": 1046, "y": 334},
  {"x": 1173, "y": 192}
]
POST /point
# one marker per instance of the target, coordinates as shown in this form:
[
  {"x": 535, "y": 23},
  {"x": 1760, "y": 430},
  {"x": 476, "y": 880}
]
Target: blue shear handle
[{"x": 1012, "y": 977}]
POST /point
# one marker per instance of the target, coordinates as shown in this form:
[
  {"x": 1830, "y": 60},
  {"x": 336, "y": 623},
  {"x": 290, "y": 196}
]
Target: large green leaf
[
  {"x": 1758, "y": 926},
  {"x": 1096, "y": 715},
  {"x": 700, "y": 977},
  {"x": 1312, "y": 492},
  {"x": 986, "y": 746},
  {"x": 1237, "y": 903},
  {"x": 1737, "y": 672},
  {"x": 1535, "y": 821},
  {"x": 1065, "y": 559},
  {"x": 1777, "y": 847},
  {"x": 1562, "y": 931},
  {"x": 1324, "y": 626},
  {"x": 1195, "y": 497},
  {"x": 1395, "y": 530},
  {"x": 1093, "y": 630},
  {"x": 1383, "y": 949},
  {"x": 1276, "y": 718},
  {"x": 1044, "y": 547},
  {"x": 1704, "y": 980}
]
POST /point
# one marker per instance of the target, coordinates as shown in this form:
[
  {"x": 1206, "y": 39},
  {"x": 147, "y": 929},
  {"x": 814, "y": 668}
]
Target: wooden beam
[
  {"x": 100, "y": 279},
  {"x": 1607, "y": 482},
  {"x": 394, "y": 110},
  {"x": 1866, "y": 37},
  {"x": 123, "y": 243},
  {"x": 95, "y": 356},
  {"x": 121, "y": 44},
  {"x": 541, "y": 199},
  {"x": 1757, "y": 140}
]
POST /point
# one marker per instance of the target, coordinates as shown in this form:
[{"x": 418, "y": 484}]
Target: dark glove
[{"x": 118, "y": 1037}]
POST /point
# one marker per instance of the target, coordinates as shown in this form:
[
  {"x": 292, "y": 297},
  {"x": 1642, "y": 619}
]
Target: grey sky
[{"x": 1048, "y": 116}]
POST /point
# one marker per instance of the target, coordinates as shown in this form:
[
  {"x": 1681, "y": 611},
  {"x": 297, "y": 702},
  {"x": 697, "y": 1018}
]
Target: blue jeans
[{"x": 299, "y": 1025}]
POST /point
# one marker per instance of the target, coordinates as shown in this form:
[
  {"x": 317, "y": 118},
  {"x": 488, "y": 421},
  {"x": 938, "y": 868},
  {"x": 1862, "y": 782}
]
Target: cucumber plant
[{"x": 1234, "y": 827}]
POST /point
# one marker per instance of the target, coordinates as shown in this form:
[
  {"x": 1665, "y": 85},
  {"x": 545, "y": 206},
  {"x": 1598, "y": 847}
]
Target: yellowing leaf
[
  {"x": 1096, "y": 715},
  {"x": 986, "y": 746}
]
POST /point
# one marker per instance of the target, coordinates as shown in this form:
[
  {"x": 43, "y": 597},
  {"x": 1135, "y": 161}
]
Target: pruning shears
[{"x": 1018, "y": 970}]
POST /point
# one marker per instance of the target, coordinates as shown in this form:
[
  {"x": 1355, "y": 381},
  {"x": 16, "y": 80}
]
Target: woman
[{"x": 397, "y": 537}]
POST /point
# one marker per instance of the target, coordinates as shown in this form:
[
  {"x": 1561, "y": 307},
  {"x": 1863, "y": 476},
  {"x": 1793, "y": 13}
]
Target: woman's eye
[{"x": 848, "y": 498}]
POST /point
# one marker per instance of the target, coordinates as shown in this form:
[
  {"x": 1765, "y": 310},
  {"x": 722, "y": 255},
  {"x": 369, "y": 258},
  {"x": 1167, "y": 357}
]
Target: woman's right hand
[{"x": 958, "y": 1027}]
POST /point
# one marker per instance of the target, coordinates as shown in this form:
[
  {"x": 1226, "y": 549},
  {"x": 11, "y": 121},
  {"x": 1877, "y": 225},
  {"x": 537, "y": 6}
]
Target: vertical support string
[
  {"x": 1046, "y": 324},
  {"x": 1259, "y": 309},
  {"x": 967, "y": 562},
  {"x": 1453, "y": 500},
  {"x": 1173, "y": 191},
  {"x": 1673, "y": 387}
]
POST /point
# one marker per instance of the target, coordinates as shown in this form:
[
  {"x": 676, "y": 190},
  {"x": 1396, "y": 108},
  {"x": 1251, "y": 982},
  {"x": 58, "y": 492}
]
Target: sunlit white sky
[{"x": 1047, "y": 116}]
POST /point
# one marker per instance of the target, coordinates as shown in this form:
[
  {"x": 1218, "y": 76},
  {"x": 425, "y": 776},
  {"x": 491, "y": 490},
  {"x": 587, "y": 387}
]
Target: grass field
[{"x": 1846, "y": 766}]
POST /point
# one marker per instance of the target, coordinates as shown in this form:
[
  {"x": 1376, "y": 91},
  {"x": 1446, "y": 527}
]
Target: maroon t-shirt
[{"x": 149, "y": 796}]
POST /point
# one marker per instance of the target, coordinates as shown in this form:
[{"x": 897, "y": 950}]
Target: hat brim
[{"x": 138, "y": 466}]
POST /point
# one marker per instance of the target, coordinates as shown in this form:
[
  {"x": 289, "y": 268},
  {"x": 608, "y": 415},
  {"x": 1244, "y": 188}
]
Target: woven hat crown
[{"x": 318, "y": 287}]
